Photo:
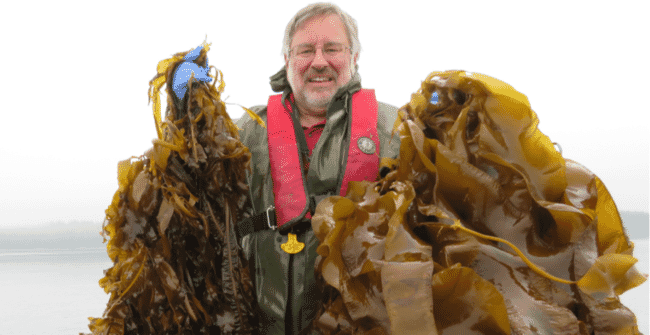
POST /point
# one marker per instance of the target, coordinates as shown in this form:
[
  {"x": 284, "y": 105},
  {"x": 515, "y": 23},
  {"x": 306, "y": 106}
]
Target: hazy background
[
  {"x": 74, "y": 102},
  {"x": 86, "y": 234},
  {"x": 75, "y": 80}
]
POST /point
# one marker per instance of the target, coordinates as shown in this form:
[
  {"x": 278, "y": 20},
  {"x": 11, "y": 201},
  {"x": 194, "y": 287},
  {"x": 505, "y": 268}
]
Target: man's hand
[{"x": 185, "y": 70}]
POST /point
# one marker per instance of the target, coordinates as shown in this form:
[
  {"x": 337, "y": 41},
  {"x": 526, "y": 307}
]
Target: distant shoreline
[
  {"x": 37, "y": 250},
  {"x": 86, "y": 234}
]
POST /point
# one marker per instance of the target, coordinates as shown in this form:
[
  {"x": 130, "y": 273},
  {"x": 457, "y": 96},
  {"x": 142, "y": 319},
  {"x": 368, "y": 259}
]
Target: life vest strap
[{"x": 290, "y": 189}]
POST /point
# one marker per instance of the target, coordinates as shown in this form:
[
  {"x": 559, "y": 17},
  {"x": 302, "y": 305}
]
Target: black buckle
[{"x": 260, "y": 221}]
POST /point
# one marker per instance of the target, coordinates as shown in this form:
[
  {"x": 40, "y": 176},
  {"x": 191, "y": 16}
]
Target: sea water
[
  {"x": 55, "y": 291},
  {"x": 51, "y": 291}
]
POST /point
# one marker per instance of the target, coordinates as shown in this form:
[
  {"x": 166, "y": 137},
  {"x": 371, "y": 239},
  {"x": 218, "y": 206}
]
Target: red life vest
[{"x": 289, "y": 183}]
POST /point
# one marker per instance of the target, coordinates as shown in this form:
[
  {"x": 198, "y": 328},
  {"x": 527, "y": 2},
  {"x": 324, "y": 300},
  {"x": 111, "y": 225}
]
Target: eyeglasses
[{"x": 331, "y": 51}]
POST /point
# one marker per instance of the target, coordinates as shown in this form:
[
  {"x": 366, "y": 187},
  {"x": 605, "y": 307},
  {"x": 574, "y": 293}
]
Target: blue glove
[
  {"x": 434, "y": 98},
  {"x": 185, "y": 70}
]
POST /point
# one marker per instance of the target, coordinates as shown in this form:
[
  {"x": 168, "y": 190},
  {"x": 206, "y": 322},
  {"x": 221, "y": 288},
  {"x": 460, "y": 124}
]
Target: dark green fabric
[
  {"x": 270, "y": 265},
  {"x": 271, "y": 272}
]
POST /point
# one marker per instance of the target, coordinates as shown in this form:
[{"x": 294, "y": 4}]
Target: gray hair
[{"x": 317, "y": 9}]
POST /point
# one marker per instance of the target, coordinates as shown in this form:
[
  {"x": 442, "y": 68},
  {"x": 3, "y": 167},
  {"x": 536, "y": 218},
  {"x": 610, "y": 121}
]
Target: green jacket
[{"x": 279, "y": 277}]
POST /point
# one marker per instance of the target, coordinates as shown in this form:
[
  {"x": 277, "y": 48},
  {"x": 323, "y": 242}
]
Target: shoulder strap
[
  {"x": 289, "y": 183},
  {"x": 363, "y": 153}
]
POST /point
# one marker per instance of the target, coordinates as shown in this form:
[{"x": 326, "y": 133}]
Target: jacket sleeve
[{"x": 254, "y": 137}]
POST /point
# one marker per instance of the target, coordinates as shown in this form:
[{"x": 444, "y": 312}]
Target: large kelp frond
[
  {"x": 177, "y": 266},
  {"x": 481, "y": 227}
]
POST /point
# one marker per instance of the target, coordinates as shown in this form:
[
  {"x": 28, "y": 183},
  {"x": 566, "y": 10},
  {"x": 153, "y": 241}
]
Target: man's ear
[
  {"x": 355, "y": 66},
  {"x": 286, "y": 61}
]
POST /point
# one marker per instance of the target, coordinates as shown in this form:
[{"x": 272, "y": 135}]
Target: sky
[{"x": 76, "y": 75}]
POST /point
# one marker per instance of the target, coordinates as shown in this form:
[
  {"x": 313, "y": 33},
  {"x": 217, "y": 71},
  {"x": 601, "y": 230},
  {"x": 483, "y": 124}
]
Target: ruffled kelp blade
[
  {"x": 177, "y": 265},
  {"x": 512, "y": 237}
]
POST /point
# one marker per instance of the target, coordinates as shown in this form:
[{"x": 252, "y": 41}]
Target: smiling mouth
[{"x": 320, "y": 80}]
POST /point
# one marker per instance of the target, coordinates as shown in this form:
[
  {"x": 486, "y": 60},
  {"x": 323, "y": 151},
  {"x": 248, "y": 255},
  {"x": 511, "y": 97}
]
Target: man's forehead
[{"x": 320, "y": 28}]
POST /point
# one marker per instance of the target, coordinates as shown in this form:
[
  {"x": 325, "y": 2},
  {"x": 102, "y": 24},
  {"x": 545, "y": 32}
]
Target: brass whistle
[{"x": 292, "y": 246}]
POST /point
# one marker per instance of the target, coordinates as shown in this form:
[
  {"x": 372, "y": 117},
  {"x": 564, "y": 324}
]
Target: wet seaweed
[
  {"x": 480, "y": 226},
  {"x": 178, "y": 268}
]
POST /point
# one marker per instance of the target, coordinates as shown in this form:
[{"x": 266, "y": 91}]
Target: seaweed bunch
[
  {"x": 177, "y": 267},
  {"x": 480, "y": 226}
]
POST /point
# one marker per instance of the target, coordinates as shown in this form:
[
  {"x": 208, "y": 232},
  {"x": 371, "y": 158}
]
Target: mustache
[{"x": 324, "y": 72}]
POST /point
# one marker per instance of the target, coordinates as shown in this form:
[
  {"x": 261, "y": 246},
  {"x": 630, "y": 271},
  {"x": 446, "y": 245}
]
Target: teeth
[{"x": 319, "y": 79}]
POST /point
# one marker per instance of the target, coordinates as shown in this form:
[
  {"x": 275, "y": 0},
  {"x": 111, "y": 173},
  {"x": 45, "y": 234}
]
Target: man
[
  {"x": 306, "y": 154},
  {"x": 323, "y": 131}
]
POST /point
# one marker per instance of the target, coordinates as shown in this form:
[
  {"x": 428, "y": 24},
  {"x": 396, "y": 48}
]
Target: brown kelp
[
  {"x": 177, "y": 265},
  {"x": 481, "y": 227}
]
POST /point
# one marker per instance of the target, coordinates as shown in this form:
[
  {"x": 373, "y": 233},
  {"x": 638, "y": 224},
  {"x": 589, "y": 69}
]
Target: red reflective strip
[
  {"x": 362, "y": 166},
  {"x": 288, "y": 189}
]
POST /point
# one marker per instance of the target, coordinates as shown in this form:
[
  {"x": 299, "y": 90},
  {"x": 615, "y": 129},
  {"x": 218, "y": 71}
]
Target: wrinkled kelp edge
[
  {"x": 170, "y": 227},
  {"x": 481, "y": 225}
]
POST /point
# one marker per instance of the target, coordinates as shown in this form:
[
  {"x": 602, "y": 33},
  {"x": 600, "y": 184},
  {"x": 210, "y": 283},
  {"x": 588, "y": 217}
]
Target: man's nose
[{"x": 319, "y": 60}]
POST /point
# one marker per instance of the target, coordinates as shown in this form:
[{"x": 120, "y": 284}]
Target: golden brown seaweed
[
  {"x": 482, "y": 227},
  {"x": 177, "y": 265}
]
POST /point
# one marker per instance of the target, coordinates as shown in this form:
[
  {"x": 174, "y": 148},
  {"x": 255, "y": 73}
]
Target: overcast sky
[{"x": 75, "y": 80}]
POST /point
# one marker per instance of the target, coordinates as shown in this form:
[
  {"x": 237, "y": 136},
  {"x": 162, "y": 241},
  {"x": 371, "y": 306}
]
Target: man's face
[{"x": 315, "y": 78}]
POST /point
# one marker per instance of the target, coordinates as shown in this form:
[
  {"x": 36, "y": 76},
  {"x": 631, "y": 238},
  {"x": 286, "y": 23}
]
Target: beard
[
  {"x": 314, "y": 99},
  {"x": 317, "y": 100}
]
